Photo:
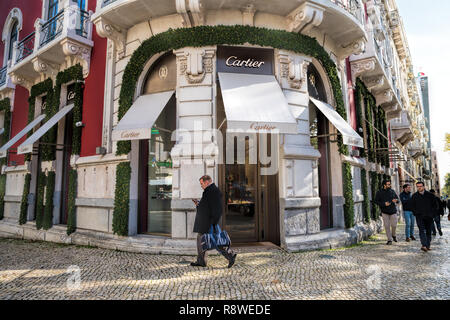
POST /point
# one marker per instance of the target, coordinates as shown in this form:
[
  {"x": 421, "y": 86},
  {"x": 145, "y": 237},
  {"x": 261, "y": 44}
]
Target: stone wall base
[{"x": 333, "y": 239}]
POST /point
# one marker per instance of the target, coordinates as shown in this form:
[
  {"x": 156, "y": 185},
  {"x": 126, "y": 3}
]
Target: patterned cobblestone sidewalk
[{"x": 38, "y": 270}]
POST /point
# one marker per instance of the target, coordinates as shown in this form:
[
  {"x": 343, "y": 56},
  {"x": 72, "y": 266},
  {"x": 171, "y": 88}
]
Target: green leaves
[
  {"x": 122, "y": 199},
  {"x": 71, "y": 216},
  {"x": 349, "y": 206},
  {"x": 48, "y": 211},
  {"x": 24, "y": 202}
]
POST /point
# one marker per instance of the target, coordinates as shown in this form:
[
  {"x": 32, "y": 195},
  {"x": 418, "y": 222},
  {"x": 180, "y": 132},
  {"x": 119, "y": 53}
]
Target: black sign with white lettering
[{"x": 244, "y": 60}]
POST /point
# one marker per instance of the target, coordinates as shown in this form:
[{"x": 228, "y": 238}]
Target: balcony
[
  {"x": 341, "y": 20},
  {"x": 6, "y": 85},
  {"x": 415, "y": 149},
  {"x": 68, "y": 34},
  {"x": 402, "y": 129},
  {"x": 374, "y": 66}
]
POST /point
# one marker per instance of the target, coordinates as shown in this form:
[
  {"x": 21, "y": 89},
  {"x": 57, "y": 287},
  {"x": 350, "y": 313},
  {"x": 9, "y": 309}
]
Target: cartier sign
[{"x": 244, "y": 60}]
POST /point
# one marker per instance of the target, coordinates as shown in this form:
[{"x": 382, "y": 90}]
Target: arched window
[{"x": 12, "y": 39}]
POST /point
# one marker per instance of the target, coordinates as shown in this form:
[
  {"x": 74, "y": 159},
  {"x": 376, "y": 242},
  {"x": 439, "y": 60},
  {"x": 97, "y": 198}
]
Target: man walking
[
  {"x": 387, "y": 199},
  {"x": 209, "y": 211},
  {"x": 405, "y": 198},
  {"x": 437, "y": 216},
  {"x": 424, "y": 206}
]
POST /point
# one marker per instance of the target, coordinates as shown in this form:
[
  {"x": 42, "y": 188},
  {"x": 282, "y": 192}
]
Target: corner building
[{"x": 118, "y": 107}]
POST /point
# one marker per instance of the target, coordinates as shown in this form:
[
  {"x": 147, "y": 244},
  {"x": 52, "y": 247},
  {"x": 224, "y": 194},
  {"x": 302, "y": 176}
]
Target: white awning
[
  {"x": 255, "y": 103},
  {"x": 27, "y": 146},
  {"x": 137, "y": 123},
  {"x": 2, "y": 130},
  {"x": 350, "y": 136},
  {"x": 20, "y": 135}
]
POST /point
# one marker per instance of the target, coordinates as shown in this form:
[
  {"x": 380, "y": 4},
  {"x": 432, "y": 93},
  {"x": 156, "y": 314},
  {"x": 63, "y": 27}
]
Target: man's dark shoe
[
  {"x": 412, "y": 238},
  {"x": 408, "y": 239},
  {"x": 440, "y": 233},
  {"x": 428, "y": 248},
  {"x": 389, "y": 243},
  {"x": 232, "y": 260},
  {"x": 395, "y": 239},
  {"x": 196, "y": 264},
  {"x": 434, "y": 233},
  {"x": 424, "y": 249}
]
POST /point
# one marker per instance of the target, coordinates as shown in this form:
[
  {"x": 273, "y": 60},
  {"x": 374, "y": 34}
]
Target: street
[{"x": 372, "y": 270}]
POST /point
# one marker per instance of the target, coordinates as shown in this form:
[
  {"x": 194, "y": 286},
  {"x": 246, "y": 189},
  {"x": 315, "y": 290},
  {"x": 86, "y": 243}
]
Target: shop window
[{"x": 156, "y": 161}]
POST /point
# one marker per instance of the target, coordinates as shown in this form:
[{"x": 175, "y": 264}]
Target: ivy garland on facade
[
  {"x": 209, "y": 36},
  {"x": 48, "y": 210},
  {"x": 40, "y": 200},
  {"x": 5, "y": 107},
  {"x": 71, "y": 215},
  {"x": 24, "y": 202},
  {"x": 365, "y": 191}
]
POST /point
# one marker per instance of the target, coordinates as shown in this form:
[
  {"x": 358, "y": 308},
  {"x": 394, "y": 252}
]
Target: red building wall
[
  {"x": 93, "y": 95},
  {"x": 31, "y": 10}
]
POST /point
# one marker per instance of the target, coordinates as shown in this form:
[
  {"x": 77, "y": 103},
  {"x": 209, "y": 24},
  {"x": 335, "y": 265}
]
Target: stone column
[
  {"x": 193, "y": 154},
  {"x": 299, "y": 185}
]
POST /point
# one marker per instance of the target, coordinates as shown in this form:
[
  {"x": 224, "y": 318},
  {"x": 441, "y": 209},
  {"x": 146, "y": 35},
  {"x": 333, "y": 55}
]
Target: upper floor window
[
  {"x": 52, "y": 9},
  {"x": 81, "y": 4},
  {"x": 12, "y": 39}
]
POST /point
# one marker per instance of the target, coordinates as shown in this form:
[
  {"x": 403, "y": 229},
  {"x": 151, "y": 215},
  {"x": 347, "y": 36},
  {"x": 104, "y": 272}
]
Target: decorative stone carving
[
  {"x": 248, "y": 15},
  {"x": 18, "y": 79},
  {"x": 357, "y": 47},
  {"x": 77, "y": 53},
  {"x": 374, "y": 82},
  {"x": 191, "y": 11},
  {"x": 195, "y": 63},
  {"x": 305, "y": 17},
  {"x": 294, "y": 70},
  {"x": 108, "y": 30},
  {"x": 384, "y": 96},
  {"x": 43, "y": 66},
  {"x": 362, "y": 66}
]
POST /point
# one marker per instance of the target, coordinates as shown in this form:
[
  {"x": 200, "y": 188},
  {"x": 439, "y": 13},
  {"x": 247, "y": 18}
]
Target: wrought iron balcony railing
[
  {"x": 52, "y": 28},
  {"x": 3, "y": 75},
  {"x": 351, "y": 6},
  {"x": 106, "y": 2},
  {"x": 83, "y": 24},
  {"x": 25, "y": 47}
]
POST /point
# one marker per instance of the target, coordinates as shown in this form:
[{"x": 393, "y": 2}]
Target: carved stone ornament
[
  {"x": 191, "y": 11},
  {"x": 362, "y": 66},
  {"x": 305, "y": 17},
  {"x": 77, "y": 52},
  {"x": 195, "y": 63},
  {"x": 294, "y": 70},
  {"x": 106, "y": 29},
  {"x": 43, "y": 66},
  {"x": 18, "y": 79},
  {"x": 356, "y": 47},
  {"x": 384, "y": 96},
  {"x": 374, "y": 82}
]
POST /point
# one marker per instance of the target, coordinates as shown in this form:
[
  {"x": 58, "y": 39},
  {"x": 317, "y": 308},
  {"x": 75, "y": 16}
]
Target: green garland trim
[
  {"x": 40, "y": 200},
  {"x": 24, "y": 202},
  {"x": 48, "y": 210},
  {"x": 2, "y": 195},
  {"x": 72, "y": 74},
  {"x": 5, "y": 105},
  {"x": 43, "y": 87},
  {"x": 122, "y": 199},
  {"x": 365, "y": 190},
  {"x": 71, "y": 215},
  {"x": 375, "y": 184},
  {"x": 349, "y": 206},
  {"x": 224, "y": 35},
  {"x": 358, "y": 94}
]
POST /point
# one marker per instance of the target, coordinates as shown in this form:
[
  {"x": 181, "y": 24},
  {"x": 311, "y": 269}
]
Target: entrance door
[{"x": 251, "y": 212}]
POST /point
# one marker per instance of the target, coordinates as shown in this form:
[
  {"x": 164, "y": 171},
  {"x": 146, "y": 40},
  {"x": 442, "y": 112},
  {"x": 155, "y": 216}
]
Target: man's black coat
[
  {"x": 425, "y": 205},
  {"x": 209, "y": 209},
  {"x": 386, "y": 195}
]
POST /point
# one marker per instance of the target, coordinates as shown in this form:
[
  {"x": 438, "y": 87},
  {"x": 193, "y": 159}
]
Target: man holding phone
[
  {"x": 209, "y": 212},
  {"x": 387, "y": 199}
]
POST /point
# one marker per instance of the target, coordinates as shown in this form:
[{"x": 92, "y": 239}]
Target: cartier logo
[
  {"x": 127, "y": 135},
  {"x": 265, "y": 127},
  {"x": 234, "y": 61}
]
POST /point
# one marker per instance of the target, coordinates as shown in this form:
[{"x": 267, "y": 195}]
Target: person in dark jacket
[
  {"x": 405, "y": 198},
  {"x": 209, "y": 212},
  {"x": 437, "y": 215},
  {"x": 424, "y": 206},
  {"x": 387, "y": 199}
]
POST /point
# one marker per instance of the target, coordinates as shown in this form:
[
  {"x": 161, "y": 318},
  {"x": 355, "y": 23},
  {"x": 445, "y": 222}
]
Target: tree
[
  {"x": 447, "y": 142},
  {"x": 446, "y": 189}
]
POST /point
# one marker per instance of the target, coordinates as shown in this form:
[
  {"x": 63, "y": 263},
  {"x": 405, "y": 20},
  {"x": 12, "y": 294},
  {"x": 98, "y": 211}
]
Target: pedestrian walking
[
  {"x": 209, "y": 212},
  {"x": 448, "y": 207},
  {"x": 405, "y": 198},
  {"x": 437, "y": 217},
  {"x": 387, "y": 199},
  {"x": 424, "y": 207}
]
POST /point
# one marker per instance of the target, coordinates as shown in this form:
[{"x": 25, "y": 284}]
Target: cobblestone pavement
[{"x": 39, "y": 270}]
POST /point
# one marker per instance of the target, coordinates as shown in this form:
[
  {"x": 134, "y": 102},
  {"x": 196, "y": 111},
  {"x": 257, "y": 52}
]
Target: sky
[{"x": 427, "y": 27}]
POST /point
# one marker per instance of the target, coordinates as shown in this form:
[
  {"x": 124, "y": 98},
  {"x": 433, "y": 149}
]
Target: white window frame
[{"x": 14, "y": 15}]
